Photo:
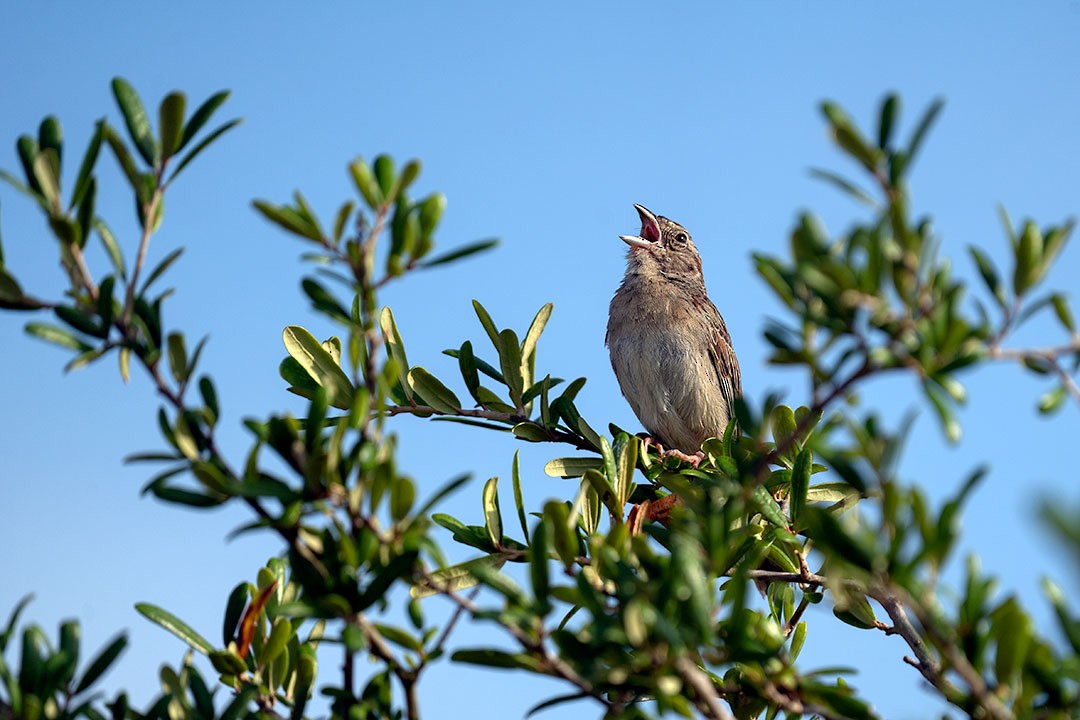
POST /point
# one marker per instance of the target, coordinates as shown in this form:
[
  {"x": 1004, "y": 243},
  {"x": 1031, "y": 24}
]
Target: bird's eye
[{"x": 681, "y": 238}]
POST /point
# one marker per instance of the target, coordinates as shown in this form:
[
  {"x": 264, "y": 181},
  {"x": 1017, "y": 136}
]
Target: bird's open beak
[{"x": 650, "y": 229}]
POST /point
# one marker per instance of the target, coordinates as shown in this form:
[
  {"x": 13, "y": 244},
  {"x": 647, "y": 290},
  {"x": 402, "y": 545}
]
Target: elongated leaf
[
  {"x": 515, "y": 476},
  {"x": 492, "y": 513},
  {"x": 203, "y": 144},
  {"x": 396, "y": 347},
  {"x": 366, "y": 184},
  {"x": 800, "y": 485},
  {"x": 510, "y": 362},
  {"x": 47, "y": 179},
  {"x": 455, "y": 577},
  {"x": 160, "y": 268},
  {"x": 176, "y": 626},
  {"x": 135, "y": 117},
  {"x": 57, "y": 336},
  {"x": 101, "y": 663},
  {"x": 171, "y": 123},
  {"x": 572, "y": 467},
  {"x": 112, "y": 248},
  {"x": 432, "y": 391},
  {"x": 486, "y": 321},
  {"x": 923, "y": 127},
  {"x": 528, "y": 345},
  {"x": 845, "y": 186},
  {"x": 462, "y": 252},
  {"x": 499, "y": 659},
  {"x": 201, "y": 116},
  {"x": 319, "y": 364},
  {"x": 86, "y": 170}
]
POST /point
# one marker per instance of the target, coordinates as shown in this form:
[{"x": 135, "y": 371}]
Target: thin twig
[
  {"x": 554, "y": 663},
  {"x": 150, "y": 210}
]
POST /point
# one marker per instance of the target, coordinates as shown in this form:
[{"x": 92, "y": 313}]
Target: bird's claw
[{"x": 694, "y": 460}]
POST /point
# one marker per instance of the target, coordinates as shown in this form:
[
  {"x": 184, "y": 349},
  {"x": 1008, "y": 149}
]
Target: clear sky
[{"x": 542, "y": 124}]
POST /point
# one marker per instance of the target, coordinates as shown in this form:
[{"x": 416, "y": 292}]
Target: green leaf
[
  {"x": 384, "y": 175},
  {"x": 287, "y": 218},
  {"x": 923, "y": 127},
  {"x": 856, "y": 611},
  {"x": 940, "y": 400},
  {"x": 176, "y": 626},
  {"x": 102, "y": 662},
  {"x": 201, "y": 116},
  {"x": 572, "y": 467},
  {"x": 396, "y": 347},
  {"x": 989, "y": 274},
  {"x": 598, "y": 482},
  {"x": 365, "y": 183},
  {"x": 499, "y": 659},
  {"x": 626, "y": 448},
  {"x": 234, "y": 609},
  {"x": 1027, "y": 258},
  {"x": 1013, "y": 629},
  {"x": 431, "y": 211},
  {"x": 280, "y": 634},
  {"x": 45, "y": 172},
  {"x": 455, "y": 577},
  {"x": 1063, "y": 312},
  {"x": 432, "y": 391},
  {"x": 800, "y": 485},
  {"x": 562, "y": 525},
  {"x": 160, "y": 268},
  {"x": 342, "y": 217},
  {"x": 1052, "y": 401},
  {"x": 486, "y": 321},
  {"x": 57, "y": 336},
  {"x": 171, "y": 123},
  {"x": 890, "y": 108},
  {"x": 511, "y": 366},
  {"x": 528, "y": 345},
  {"x": 828, "y": 533},
  {"x": 402, "y": 497},
  {"x": 530, "y": 432},
  {"x": 203, "y": 144},
  {"x": 461, "y": 252},
  {"x": 79, "y": 320},
  {"x": 138, "y": 124},
  {"x": 844, "y": 185},
  {"x": 492, "y": 514},
  {"x": 784, "y": 427},
  {"x": 319, "y": 364},
  {"x": 112, "y": 248},
  {"x": 178, "y": 360},
  {"x": 82, "y": 180},
  {"x": 515, "y": 476}
]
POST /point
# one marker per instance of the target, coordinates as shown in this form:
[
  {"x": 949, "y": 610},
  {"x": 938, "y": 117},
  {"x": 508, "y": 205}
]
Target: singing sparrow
[{"x": 669, "y": 346}]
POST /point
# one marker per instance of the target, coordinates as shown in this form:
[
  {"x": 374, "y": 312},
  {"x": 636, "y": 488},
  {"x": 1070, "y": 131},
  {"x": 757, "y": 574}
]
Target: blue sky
[{"x": 542, "y": 124}]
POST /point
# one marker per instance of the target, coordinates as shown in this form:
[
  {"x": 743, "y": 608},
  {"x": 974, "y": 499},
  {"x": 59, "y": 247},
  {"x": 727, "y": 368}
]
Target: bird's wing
[{"x": 724, "y": 362}]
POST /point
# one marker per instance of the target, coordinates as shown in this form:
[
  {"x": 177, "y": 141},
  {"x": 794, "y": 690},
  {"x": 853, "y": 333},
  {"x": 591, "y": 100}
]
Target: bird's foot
[
  {"x": 694, "y": 459},
  {"x": 649, "y": 440}
]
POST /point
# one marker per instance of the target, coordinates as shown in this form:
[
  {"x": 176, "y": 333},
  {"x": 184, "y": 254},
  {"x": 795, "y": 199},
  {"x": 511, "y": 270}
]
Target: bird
[{"x": 670, "y": 347}]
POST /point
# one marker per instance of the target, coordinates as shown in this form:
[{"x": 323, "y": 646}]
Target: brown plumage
[{"x": 669, "y": 346}]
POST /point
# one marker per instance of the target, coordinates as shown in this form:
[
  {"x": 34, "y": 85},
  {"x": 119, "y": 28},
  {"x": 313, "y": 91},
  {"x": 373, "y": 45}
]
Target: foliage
[{"x": 642, "y": 621}]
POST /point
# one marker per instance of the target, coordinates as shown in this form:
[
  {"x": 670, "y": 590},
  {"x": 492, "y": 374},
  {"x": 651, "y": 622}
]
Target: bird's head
[{"x": 663, "y": 246}]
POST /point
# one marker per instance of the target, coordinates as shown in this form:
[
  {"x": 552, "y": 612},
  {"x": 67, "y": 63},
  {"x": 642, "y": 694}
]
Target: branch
[
  {"x": 705, "y": 696},
  {"x": 554, "y": 663},
  {"x": 560, "y": 436},
  {"x": 149, "y": 211},
  {"x": 893, "y": 600},
  {"x": 1049, "y": 355}
]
